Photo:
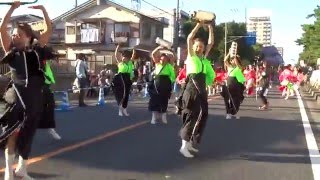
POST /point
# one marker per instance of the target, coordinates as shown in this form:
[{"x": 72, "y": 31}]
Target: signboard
[
  {"x": 251, "y": 38},
  {"x": 318, "y": 61}
]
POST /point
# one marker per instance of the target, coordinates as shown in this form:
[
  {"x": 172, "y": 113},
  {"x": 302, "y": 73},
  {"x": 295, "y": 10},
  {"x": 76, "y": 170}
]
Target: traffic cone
[
  {"x": 65, "y": 105},
  {"x": 146, "y": 93},
  {"x": 101, "y": 101},
  {"x": 175, "y": 87}
]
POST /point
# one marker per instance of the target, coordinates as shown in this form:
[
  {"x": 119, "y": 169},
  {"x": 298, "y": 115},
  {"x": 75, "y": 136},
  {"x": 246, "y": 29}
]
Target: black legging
[
  {"x": 262, "y": 96},
  {"x": 160, "y": 94},
  {"x": 233, "y": 95},
  {"x": 33, "y": 98},
  {"x": 48, "y": 119},
  {"x": 195, "y": 109},
  {"x": 121, "y": 88}
]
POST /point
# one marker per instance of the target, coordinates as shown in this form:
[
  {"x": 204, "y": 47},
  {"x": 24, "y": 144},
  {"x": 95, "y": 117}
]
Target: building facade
[
  {"x": 95, "y": 27},
  {"x": 169, "y": 31},
  {"x": 262, "y": 27}
]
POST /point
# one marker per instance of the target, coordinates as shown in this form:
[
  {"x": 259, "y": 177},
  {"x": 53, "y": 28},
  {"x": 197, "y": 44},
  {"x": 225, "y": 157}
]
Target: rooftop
[
  {"x": 25, "y": 18},
  {"x": 92, "y": 3}
]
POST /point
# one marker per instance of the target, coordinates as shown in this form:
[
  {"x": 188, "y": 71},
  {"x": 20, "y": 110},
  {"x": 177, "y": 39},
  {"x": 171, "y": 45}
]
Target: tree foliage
[
  {"x": 246, "y": 52},
  {"x": 310, "y": 39}
]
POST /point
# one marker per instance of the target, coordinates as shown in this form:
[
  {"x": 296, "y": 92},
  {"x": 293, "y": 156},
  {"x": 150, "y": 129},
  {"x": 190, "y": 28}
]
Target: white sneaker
[
  {"x": 54, "y": 134},
  {"x": 164, "y": 118},
  {"x": 228, "y": 116},
  {"x": 125, "y": 112},
  {"x": 185, "y": 152},
  {"x": 184, "y": 149},
  {"x": 191, "y": 148},
  {"x": 21, "y": 171},
  {"x": 8, "y": 173},
  {"x": 236, "y": 116},
  {"x": 154, "y": 118},
  {"x": 120, "y": 111}
]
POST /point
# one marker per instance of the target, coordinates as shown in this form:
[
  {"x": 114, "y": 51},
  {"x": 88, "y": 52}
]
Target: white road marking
[{"x": 311, "y": 141}]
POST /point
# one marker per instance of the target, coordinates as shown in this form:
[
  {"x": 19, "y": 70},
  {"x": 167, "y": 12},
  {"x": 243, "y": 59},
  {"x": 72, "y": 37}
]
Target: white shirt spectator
[{"x": 81, "y": 69}]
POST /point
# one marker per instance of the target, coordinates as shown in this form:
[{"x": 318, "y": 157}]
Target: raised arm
[
  {"x": 134, "y": 53},
  {"x": 47, "y": 32},
  {"x": 210, "y": 41},
  {"x": 237, "y": 59},
  {"x": 116, "y": 53},
  {"x": 174, "y": 58},
  {"x": 226, "y": 62},
  {"x": 5, "y": 38},
  {"x": 190, "y": 39},
  {"x": 154, "y": 54}
]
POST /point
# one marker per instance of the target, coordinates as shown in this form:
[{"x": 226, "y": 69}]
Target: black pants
[
  {"x": 33, "y": 99},
  {"x": 262, "y": 96},
  {"x": 83, "y": 84},
  {"x": 233, "y": 97},
  {"x": 121, "y": 88},
  {"x": 127, "y": 90},
  {"x": 160, "y": 94},
  {"x": 48, "y": 119},
  {"x": 194, "y": 115}
]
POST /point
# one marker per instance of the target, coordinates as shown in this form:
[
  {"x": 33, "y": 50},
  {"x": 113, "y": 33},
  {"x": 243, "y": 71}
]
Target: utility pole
[
  {"x": 178, "y": 21},
  {"x": 76, "y": 3},
  {"x": 177, "y": 24},
  {"x": 225, "y": 38}
]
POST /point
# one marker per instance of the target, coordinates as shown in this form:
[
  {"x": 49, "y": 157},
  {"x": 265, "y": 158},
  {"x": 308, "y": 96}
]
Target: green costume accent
[
  {"x": 126, "y": 67},
  {"x": 195, "y": 65},
  {"x": 167, "y": 70},
  {"x": 237, "y": 73},
  {"x": 49, "y": 78}
]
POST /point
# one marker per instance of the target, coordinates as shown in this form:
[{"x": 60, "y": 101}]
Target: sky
[{"x": 286, "y": 15}]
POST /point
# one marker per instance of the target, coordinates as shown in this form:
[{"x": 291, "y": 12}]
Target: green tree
[
  {"x": 246, "y": 52},
  {"x": 310, "y": 39}
]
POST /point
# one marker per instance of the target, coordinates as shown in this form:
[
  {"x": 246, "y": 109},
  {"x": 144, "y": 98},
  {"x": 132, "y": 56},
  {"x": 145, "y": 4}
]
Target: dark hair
[
  {"x": 164, "y": 55},
  {"x": 126, "y": 54},
  {"x": 238, "y": 59},
  {"x": 199, "y": 40},
  {"x": 81, "y": 56},
  {"x": 26, "y": 28}
]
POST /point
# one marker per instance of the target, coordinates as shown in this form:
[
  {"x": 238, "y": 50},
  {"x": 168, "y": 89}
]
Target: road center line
[
  {"x": 311, "y": 141},
  {"x": 83, "y": 143}
]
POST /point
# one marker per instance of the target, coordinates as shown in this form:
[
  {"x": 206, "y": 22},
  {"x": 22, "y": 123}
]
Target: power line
[{"x": 156, "y": 7}]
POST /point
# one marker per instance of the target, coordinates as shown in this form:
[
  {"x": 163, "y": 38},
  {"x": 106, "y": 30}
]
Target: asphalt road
[{"x": 99, "y": 145}]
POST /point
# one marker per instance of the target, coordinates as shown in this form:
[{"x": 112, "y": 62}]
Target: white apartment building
[{"x": 262, "y": 26}]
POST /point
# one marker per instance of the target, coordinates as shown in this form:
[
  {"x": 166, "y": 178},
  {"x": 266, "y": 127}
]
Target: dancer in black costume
[{"x": 24, "y": 93}]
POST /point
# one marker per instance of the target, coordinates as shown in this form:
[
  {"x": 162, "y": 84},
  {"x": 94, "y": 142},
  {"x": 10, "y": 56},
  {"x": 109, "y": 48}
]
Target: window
[
  {"x": 146, "y": 31},
  {"x": 121, "y": 29},
  {"x": 108, "y": 59},
  {"x": 134, "y": 30},
  {"x": 159, "y": 31},
  {"x": 71, "y": 30}
]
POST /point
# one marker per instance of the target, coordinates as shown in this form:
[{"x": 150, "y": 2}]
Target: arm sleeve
[
  {"x": 210, "y": 74},
  {"x": 49, "y": 73},
  {"x": 172, "y": 74}
]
